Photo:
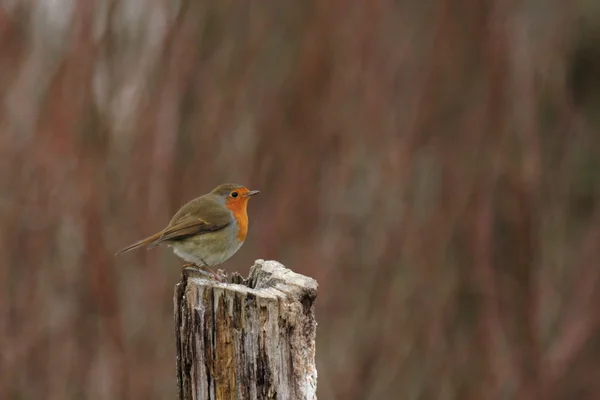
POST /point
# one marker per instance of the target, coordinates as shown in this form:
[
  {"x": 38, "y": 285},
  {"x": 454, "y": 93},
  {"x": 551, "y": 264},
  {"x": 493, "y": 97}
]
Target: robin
[{"x": 208, "y": 230}]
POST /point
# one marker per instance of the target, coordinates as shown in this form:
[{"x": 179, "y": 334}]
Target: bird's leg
[
  {"x": 193, "y": 269},
  {"x": 190, "y": 267},
  {"x": 209, "y": 270}
]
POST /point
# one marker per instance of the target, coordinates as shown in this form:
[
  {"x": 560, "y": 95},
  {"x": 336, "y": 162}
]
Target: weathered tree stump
[{"x": 249, "y": 338}]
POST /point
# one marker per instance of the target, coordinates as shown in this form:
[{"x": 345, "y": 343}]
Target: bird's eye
[{"x": 234, "y": 194}]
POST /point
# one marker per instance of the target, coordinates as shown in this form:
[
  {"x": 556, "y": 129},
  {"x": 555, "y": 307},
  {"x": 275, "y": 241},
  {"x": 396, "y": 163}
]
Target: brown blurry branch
[{"x": 579, "y": 320}]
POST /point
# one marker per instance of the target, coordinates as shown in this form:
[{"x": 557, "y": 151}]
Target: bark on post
[{"x": 251, "y": 338}]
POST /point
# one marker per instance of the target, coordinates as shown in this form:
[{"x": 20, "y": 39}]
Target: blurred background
[{"x": 434, "y": 164}]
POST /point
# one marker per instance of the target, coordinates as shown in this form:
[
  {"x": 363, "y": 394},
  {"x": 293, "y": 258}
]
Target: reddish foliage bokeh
[{"x": 434, "y": 165}]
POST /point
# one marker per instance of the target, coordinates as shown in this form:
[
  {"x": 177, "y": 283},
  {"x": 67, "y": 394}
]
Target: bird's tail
[{"x": 149, "y": 242}]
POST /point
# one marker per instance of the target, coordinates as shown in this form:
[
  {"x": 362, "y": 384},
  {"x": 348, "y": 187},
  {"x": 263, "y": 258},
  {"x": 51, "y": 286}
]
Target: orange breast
[{"x": 239, "y": 210}]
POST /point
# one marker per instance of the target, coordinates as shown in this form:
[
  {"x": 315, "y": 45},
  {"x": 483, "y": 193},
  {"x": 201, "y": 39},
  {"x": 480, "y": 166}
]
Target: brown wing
[
  {"x": 188, "y": 226},
  {"x": 199, "y": 216}
]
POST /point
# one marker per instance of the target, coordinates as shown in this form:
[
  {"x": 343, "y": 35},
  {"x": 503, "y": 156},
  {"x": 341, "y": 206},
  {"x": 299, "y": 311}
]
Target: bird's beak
[{"x": 252, "y": 193}]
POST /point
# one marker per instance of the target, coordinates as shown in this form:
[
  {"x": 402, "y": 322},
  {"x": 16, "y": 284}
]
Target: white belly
[{"x": 205, "y": 250}]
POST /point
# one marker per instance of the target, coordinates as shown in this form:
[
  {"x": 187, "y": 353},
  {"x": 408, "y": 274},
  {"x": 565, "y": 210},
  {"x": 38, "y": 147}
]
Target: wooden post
[{"x": 250, "y": 339}]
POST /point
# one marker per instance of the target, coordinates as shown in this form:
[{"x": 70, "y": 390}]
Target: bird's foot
[
  {"x": 212, "y": 273},
  {"x": 191, "y": 269}
]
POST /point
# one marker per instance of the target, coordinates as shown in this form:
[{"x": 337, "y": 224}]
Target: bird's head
[{"x": 234, "y": 196}]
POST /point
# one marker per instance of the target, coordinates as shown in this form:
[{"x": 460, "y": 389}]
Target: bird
[{"x": 206, "y": 231}]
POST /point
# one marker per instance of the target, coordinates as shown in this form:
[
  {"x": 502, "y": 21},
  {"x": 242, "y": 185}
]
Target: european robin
[{"x": 208, "y": 230}]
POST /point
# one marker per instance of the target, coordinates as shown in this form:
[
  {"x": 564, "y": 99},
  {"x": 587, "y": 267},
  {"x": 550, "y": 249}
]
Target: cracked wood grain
[{"x": 248, "y": 338}]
